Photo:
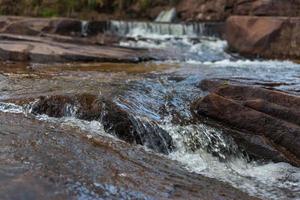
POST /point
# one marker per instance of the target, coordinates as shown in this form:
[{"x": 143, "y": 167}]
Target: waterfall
[
  {"x": 84, "y": 28},
  {"x": 135, "y": 28},
  {"x": 167, "y": 16},
  {"x": 172, "y": 29}
]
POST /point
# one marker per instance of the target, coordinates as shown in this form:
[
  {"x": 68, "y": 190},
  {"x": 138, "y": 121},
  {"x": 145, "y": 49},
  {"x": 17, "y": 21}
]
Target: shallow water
[{"x": 163, "y": 91}]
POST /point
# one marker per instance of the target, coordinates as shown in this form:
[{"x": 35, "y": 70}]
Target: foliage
[{"x": 48, "y": 8}]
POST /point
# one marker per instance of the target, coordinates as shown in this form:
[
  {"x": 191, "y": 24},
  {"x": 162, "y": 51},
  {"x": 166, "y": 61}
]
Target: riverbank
[{"x": 187, "y": 10}]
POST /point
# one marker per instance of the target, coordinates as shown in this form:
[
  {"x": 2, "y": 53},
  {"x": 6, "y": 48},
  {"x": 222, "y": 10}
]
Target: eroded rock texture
[{"x": 270, "y": 116}]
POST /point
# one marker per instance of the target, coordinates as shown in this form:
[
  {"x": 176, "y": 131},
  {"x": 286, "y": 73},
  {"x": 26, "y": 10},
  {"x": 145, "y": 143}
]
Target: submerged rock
[
  {"x": 262, "y": 112},
  {"x": 114, "y": 119}
]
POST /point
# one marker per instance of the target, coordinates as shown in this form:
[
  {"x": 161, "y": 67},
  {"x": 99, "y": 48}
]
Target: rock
[
  {"x": 220, "y": 10},
  {"x": 41, "y": 160},
  {"x": 84, "y": 106},
  {"x": 269, "y": 114},
  {"x": 270, "y": 37},
  {"x": 96, "y": 27},
  {"x": 45, "y": 50},
  {"x": 37, "y": 26},
  {"x": 195, "y": 10},
  {"x": 65, "y": 27},
  {"x": 289, "y": 114},
  {"x": 289, "y": 8},
  {"x": 114, "y": 119}
]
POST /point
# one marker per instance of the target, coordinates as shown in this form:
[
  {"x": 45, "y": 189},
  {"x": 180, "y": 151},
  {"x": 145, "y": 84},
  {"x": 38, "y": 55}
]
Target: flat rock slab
[
  {"x": 269, "y": 114},
  {"x": 45, "y": 50},
  {"x": 41, "y": 160}
]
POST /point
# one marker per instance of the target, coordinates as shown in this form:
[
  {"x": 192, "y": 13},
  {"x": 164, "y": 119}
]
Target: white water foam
[
  {"x": 279, "y": 181},
  {"x": 276, "y": 181}
]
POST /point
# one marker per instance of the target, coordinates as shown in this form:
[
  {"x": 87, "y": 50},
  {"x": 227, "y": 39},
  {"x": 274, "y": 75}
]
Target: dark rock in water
[
  {"x": 232, "y": 105},
  {"x": 133, "y": 129},
  {"x": 84, "y": 106},
  {"x": 42, "y": 160},
  {"x": 114, "y": 119}
]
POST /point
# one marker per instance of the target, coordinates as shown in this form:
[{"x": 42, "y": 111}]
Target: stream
[{"x": 161, "y": 92}]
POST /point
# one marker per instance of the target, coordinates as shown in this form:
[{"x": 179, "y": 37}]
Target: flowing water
[{"x": 163, "y": 94}]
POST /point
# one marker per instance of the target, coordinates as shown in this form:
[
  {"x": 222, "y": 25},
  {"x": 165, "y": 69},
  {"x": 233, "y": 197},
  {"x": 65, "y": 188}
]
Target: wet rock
[
  {"x": 114, "y": 119},
  {"x": 285, "y": 113},
  {"x": 64, "y": 27},
  {"x": 63, "y": 163},
  {"x": 45, "y": 50},
  {"x": 259, "y": 111},
  {"x": 96, "y": 27},
  {"x": 271, "y": 37},
  {"x": 83, "y": 106}
]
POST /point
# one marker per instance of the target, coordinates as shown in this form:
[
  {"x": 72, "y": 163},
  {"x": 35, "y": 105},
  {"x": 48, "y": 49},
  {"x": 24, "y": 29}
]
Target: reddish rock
[
  {"x": 271, "y": 37},
  {"x": 289, "y": 8},
  {"x": 246, "y": 93},
  {"x": 37, "y": 26},
  {"x": 272, "y": 117},
  {"x": 45, "y": 50},
  {"x": 289, "y": 114},
  {"x": 42, "y": 160},
  {"x": 219, "y": 10}
]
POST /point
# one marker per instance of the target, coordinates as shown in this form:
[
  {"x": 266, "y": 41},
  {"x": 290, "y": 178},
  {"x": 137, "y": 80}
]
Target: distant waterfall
[
  {"x": 134, "y": 28},
  {"x": 84, "y": 28},
  {"x": 173, "y": 29}
]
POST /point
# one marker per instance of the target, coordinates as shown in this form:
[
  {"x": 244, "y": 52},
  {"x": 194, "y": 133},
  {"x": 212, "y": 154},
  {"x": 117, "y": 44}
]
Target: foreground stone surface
[
  {"x": 271, "y": 115},
  {"x": 270, "y": 37},
  {"x": 50, "y": 161},
  {"x": 47, "y": 50}
]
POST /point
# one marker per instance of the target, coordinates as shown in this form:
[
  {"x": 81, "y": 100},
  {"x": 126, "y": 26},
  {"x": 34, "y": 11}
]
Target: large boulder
[
  {"x": 269, "y": 114},
  {"x": 115, "y": 120},
  {"x": 271, "y": 37}
]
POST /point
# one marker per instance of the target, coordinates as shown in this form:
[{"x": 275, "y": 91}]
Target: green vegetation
[{"x": 73, "y": 8}]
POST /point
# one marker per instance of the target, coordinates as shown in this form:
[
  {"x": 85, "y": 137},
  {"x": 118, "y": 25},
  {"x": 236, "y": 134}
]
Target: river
[{"x": 161, "y": 92}]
